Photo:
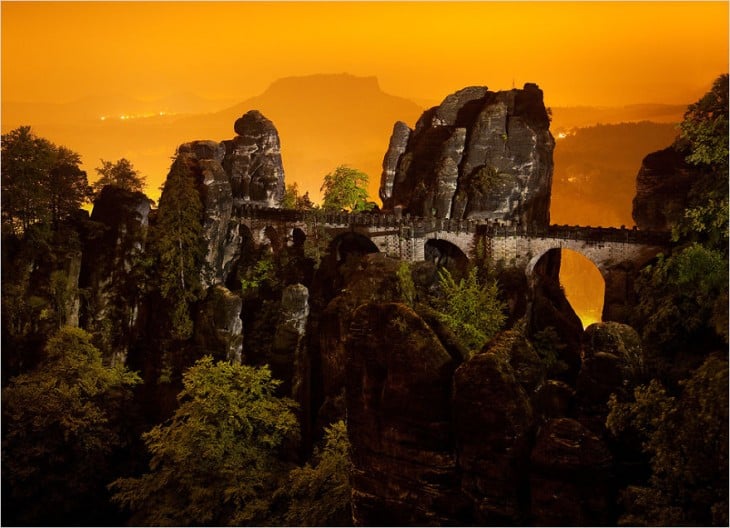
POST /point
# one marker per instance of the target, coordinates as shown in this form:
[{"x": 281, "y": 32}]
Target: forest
[{"x": 126, "y": 407}]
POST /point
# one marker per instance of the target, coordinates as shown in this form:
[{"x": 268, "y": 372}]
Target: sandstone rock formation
[
  {"x": 109, "y": 266},
  {"x": 612, "y": 363},
  {"x": 480, "y": 154},
  {"x": 662, "y": 184},
  {"x": 492, "y": 423},
  {"x": 245, "y": 169},
  {"x": 398, "y": 387},
  {"x": 570, "y": 477},
  {"x": 549, "y": 309},
  {"x": 218, "y": 327}
]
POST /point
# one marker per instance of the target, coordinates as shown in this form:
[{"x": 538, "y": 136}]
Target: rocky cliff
[
  {"x": 110, "y": 268},
  {"x": 662, "y": 187},
  {"x": 245, "y": 169},
  {"x": 480, "y": 154}
]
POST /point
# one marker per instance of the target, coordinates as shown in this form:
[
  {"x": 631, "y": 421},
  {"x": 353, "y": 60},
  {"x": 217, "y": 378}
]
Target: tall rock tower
[
  {"x": 243, "y": 170},
  {"x": 480, "y": 154}
]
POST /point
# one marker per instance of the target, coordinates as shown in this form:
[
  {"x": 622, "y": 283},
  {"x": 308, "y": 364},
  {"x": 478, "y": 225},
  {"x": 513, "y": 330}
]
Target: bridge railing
[{"x": 421, "y": 227}]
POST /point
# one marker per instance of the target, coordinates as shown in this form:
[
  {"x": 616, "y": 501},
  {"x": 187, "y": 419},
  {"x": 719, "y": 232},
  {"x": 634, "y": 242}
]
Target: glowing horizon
[{"x": 580, "y": 53}]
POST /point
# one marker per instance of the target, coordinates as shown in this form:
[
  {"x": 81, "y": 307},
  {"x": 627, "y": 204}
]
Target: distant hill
[
  {"x": 566, "y": 118},
  {"x": 323, "y": 121},
  {"x": 594, "y": 179},
  {"x": 91, "y": 109},
  {"x": 328, "y": 120}
]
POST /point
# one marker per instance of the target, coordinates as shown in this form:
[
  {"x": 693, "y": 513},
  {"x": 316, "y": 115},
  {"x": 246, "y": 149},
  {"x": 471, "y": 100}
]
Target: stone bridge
[{"x": 618, "y": 253}]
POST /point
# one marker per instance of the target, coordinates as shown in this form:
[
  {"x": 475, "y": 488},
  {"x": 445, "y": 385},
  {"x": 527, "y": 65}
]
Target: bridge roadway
[
  {"x": 405, "y": 237},
  {"x": 618, "y": 253}
]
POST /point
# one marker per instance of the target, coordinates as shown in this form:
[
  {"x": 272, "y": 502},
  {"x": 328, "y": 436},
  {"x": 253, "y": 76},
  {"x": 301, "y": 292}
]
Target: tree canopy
[
  {"x": 319, "y": 492},
  {"x": 293, "y": 200},
  {"x": 121, "y": 174},
  {"x": 41, "y": 183},
  {"x": 215, "y": 461},
  {"x": 345, "y": 188},
  {"x": 471, "y": 309},
  {"x": 686, "y": 438},
  {"x": 705, "y": 135},
  {"x": 61, "y": 421},
  {"x": 177, "y": 241}
]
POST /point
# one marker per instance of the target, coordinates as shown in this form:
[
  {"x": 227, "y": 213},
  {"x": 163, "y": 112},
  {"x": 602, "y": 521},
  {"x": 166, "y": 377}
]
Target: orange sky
[{"x": 607, "y": 53}]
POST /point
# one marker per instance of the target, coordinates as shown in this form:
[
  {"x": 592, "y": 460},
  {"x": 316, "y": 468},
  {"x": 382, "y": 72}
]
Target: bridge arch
[
  {"x": 445, "y": 254},
  {"x": 582, "y": 280},
  {"x": 351, "y": 243},
  {"x": 296, "y": 237}
]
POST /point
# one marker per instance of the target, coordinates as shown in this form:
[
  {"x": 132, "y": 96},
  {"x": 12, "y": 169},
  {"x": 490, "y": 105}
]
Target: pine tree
[{"x": 179, "y": 246}]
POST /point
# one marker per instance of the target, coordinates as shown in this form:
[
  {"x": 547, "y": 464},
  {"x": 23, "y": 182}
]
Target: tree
[
  {"x": 319, "y": 493},
  {"x": 215, "y": 461},
  {"x": 293, "y": 200},
  {"x": 705, "y": 126},
  {"x": 705, "y": 135},
  {"x": 120, "y": 174},
  {"x": 178, "y": 243},
  {"x": 472, "y": 310},
  {"x": 345, "y": 188},
  {"x": 67, "y": 187},
  {"x": 686, "y": 438},
  {"x": 41, "y": 183},
  {"x": 681, "y": 298},
  {"x": 61, "y": 425}
]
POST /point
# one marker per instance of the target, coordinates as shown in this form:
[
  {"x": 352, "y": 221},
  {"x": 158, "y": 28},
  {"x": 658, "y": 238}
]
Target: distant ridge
[
  {"x": 324, "y": 120},
  {"x": 569, "y": 117}
]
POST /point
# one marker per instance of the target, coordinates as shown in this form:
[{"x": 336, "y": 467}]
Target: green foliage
[
  {"x": 405, "y": 283},
  {"x": 179, "y": 245},
  {"x": 40, "y": 181},
  {"x": 263, "y": 274},
  {"x": 681, "y": 296},
  {"x": 487, "y": 179},
  {"x": 705, "y": 126},
  {"x": 215, "y": 461},
  {"x": 705, "y": 133},
  {"x": 61, "y": 426},
  {"x": 120, "y": 174},
  {"x": 687, "y": 440},
  {"x": 345, "y": 188},
  {"x": 319, "y": 493},
  {"x": 549, "y": 346},
  {"x": 472, "y": 310},
  {"x": 293, "y": 200}
]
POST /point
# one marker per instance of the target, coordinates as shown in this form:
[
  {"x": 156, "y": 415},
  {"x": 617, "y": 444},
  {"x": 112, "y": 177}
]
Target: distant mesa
[{"x": 480, "y": 154}]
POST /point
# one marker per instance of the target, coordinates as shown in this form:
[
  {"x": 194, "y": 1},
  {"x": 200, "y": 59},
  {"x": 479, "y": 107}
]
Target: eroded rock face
[
  {"x": 549, "y": 310},
  {"x": 288, "y": 352},
  {"x": 662, "y": 184},
  {"x": 253, "y": 160},
  {"x": 492, "y": 424},
  {"x": 218, "y": 328},
  {"x": 109, "y": 266},
  {"x": 245, "y": 169},
  {"x": 570, "y": 476},
  {"x": 480, "y": 154},
  {"x": 612, "y": 363},
  {"x": 399, "y": 420}
]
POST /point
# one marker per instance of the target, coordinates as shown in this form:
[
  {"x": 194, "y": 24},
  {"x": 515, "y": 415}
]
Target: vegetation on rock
[
  {"x": 345, "y": 188},
  {"x": 41, "y": 183},
  {"x": 63, "y": 422},
  {"x": 121, "y": 174},
  {"x": 215, "y": 462}
]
